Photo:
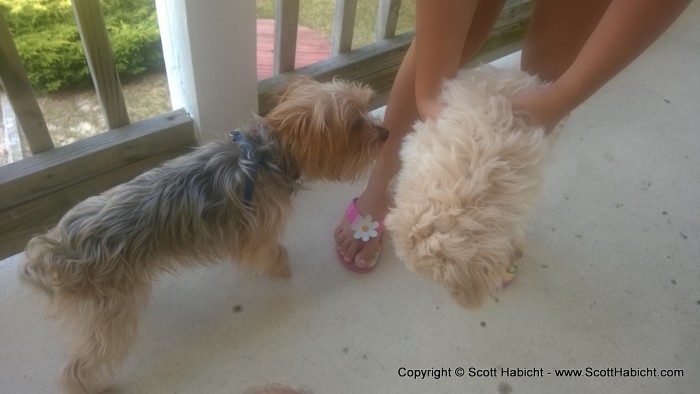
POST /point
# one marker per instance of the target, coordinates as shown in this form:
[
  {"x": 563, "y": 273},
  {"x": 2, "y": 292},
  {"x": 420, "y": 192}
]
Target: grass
[{"x": 72, "y": 115}]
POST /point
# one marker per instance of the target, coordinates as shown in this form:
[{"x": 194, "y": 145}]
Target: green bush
[{"x": 48, "y": 42}]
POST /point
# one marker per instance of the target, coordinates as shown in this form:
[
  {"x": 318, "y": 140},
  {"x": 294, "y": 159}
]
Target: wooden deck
[{"x": 311, "y": 47}]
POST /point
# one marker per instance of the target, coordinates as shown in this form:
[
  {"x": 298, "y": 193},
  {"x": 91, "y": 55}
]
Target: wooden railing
[
  {"x": 20, "y": 94},
  {"x": 375, "y": 64},
  {"x": 36, "y": 191}
]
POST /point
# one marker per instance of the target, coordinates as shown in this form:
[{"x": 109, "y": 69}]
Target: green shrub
[{"x": 48, "y": 42}]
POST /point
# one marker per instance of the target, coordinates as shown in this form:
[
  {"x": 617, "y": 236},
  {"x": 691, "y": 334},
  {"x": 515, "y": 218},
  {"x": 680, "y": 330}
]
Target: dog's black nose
[{"x": 383, "y": 132}]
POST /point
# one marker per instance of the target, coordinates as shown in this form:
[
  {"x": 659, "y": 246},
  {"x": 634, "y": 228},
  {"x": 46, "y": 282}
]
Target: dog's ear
[{"x": 291, "y": 82}]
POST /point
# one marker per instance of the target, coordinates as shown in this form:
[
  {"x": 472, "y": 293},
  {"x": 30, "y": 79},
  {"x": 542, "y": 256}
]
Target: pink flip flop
[
  {"x": 510, "y": 275},
  {"x": 364, "y": 228}
]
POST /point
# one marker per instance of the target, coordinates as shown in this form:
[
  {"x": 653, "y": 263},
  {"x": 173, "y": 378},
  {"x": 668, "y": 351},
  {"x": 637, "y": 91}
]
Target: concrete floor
[{"x": 610, "y": 280}]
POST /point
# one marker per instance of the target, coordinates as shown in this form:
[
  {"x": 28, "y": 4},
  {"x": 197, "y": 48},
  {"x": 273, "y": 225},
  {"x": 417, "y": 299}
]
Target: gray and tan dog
[{"x": 227, "y": 200}]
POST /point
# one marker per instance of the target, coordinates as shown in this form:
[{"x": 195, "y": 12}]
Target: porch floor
[{"x": 611, "y": 279}]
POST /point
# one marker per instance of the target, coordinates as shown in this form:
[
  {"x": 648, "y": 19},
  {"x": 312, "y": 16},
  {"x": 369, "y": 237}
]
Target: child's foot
[{"x": 358, "y": 238}]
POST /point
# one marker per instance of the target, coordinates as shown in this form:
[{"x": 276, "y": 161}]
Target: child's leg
[
  {"x": 579, "y": 46},
  {"x": 451, "y": 34}
]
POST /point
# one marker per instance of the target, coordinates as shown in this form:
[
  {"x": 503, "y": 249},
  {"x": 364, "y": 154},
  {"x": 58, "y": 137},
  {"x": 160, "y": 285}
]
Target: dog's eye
[{"x": 358, "y": 125}]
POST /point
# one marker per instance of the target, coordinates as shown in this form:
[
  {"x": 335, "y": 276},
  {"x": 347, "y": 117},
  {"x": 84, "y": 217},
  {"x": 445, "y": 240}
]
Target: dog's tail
[{"x": 35, "y": 267}]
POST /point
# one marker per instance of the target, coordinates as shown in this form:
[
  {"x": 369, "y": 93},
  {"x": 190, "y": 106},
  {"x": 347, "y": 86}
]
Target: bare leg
[
  {"x": 558, "y": 30},
  {"x": 459, "y": 29},
  {"x": 579, "y": 46}
]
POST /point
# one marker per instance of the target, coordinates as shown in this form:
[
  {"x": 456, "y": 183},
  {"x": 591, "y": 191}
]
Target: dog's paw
[{"x": 279, "y": 265}]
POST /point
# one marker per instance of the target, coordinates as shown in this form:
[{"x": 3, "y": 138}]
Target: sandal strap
[
  {"x": 352, "y": 213},
  {"x": 510, "y": 274}
]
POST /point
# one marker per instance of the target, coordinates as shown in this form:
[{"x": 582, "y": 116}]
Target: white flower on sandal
[{"x": 364, "y": 228}]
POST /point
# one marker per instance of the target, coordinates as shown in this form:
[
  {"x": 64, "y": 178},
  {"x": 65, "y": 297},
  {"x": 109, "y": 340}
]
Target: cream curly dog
[{"x": 467, "y": 182}]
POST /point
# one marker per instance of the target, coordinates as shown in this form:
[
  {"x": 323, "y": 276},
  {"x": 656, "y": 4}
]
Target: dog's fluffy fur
[
  {"x": 98, "y": 263},
  {"x": 467, "y": 181}
]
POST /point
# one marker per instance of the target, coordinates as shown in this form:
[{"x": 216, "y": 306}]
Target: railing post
[
  {"x": 20, "y": 94},
  {"x": 286, "y": 25},
  {"x": 209, "y": 48},
  {"x": 343, "y": 26},
  {"x": 98, "y": 52},
  {"x": 387, "y": 16}
]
